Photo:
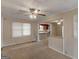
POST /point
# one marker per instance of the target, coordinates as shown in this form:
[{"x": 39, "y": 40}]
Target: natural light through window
[
  {"x": 21, "y": 29},
  {"x": 26, "y": 29},
  {"x": 41, "y": 28}
]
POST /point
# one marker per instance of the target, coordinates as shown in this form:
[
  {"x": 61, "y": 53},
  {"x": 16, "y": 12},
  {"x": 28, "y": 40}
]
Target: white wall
[
  {"x": 7, "y": 33},
  {"x": 2, "y": 32},
  {"x": 55, "y": 40},
  {"x": 56, "y": 43},
  {"x": 75, "y": 36},
  {"x": 68, "y": 33}
]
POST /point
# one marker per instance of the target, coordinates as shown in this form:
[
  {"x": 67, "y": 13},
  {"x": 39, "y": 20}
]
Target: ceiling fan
[{"x": 33, "y": 13}]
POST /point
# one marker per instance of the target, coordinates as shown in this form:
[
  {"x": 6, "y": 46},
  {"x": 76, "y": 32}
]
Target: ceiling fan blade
[
  {"x": 32, "y": 9},
  {"x": 42, "y": 14},
  {"x": 23, "y": 11}
]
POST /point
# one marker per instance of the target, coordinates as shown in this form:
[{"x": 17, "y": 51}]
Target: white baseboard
[
  {"x": 12, "y": 44},
  {"x": 75, "y": 58},
  {"x": 61, "y": 52}
]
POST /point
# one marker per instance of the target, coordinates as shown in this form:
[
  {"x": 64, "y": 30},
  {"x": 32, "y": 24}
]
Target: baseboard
[
  {"x": 56, "y": 50},
  {"x": 68, "y": 55},
  {"x": 8, "y": 45},
  {"x": 61, "y": 52},
  {"x": 75, "y": 58}
]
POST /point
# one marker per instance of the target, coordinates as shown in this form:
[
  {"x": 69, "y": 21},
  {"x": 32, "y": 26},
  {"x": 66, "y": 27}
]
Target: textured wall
[
  {"x": 68, "y": 37},
  {"x": 7, "y": 33}
]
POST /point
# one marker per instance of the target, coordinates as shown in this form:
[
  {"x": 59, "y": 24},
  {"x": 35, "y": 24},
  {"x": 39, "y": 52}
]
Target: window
[
  {"x": 21, "y": 29},
  {"x": 26, "y": 29}
]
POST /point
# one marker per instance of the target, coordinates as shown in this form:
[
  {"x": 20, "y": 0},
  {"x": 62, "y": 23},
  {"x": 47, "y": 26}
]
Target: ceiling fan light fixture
[
  {"x": 30, "y": 16},
  {"x": 33, "y": 16},
  {"x": 36, "y": 11},
  {"x": 61, "y": 20},
  {"x": 59, "y": 23}
]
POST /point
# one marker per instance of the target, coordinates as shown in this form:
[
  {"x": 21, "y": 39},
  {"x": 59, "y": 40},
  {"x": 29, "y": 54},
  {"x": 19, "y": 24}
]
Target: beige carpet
[{"x": 37, "y": 50}]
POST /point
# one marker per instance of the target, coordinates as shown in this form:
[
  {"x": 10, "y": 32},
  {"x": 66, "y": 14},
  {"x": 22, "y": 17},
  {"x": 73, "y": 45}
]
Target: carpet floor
[{"x": 34, "y": 50}]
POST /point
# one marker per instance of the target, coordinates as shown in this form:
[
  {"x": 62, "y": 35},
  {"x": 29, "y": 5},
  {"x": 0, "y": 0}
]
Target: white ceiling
[{"x": 10, "y": 7}]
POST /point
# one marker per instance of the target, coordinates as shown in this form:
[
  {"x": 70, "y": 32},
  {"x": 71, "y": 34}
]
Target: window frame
[{"x": 22, "y": 30}]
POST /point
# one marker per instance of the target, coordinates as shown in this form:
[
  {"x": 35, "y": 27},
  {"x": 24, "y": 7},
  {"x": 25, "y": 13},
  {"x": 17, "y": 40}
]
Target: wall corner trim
[{"x": 61, "y": 52}]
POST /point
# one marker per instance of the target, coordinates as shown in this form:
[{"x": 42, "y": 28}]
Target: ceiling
[{"x": 10, "y": 8}]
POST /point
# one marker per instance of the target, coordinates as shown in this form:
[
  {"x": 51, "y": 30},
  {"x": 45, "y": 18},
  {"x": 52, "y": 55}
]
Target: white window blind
[
  {"x": 26, "y": 29},
  {"x": 21, "y": 29}
]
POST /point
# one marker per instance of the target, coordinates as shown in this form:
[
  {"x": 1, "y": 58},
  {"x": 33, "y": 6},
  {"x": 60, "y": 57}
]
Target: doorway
[
  {"x": 43, "y": 33},
  {"x": 56, "y": 40}
]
